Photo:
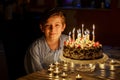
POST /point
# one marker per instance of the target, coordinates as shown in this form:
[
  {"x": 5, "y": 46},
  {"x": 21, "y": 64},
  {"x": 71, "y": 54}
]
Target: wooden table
[
  {"x": 108, "y": 73},
  {"x": 97, "y": 74}
]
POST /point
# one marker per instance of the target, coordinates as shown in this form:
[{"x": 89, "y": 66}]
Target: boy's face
[{"x": 53, "y": 27}]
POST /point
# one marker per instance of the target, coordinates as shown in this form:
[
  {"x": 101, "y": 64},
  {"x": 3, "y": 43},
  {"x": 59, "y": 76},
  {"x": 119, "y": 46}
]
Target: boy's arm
[{"x": 32, "y": 60}]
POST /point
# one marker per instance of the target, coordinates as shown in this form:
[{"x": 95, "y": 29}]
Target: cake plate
[
  {"x": 85, "y": 65},
  {"x": 96, "y": 61}
]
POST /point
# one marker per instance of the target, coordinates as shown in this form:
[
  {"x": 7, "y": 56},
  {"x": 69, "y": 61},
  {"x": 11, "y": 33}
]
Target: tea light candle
[
  {"x": 51, "y": 65},
  {"x": 64, "y": 75},
  {"x": 56, "y": 69},
  {"x": 51, "y": 75},
  {"x": 50, "y": 69},
  {"x": 112, "y": 61},
  {"x": 78, "y": 77},
  {"x": 56, "y": 63}
]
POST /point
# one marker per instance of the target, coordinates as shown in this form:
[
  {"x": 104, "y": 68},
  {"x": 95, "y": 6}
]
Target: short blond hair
[{"x": 52, "y": 12}]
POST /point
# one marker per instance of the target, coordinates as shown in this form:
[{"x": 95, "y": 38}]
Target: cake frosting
[{"x": 82, "y": 48}]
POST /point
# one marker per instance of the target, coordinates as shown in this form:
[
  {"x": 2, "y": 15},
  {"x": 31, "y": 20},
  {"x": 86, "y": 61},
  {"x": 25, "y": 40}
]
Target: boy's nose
[{"x": 52, "y": 27}]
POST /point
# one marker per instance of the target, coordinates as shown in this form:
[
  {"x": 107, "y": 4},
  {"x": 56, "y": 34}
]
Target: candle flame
[
  {"x": 73, "y": 30},
  {"x": 69, "y": 33},
  {"x": 93, "y": 26},
  {"x": 82, "y": 25}
]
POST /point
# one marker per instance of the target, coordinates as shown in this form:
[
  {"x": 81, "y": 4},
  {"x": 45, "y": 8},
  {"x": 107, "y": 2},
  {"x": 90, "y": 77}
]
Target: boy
[{"x": 46, "y": 50}]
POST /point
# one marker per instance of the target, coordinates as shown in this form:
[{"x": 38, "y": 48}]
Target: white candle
[
  {"x": 93, "y": 32},
  {"x": 73, "y": 35},
  {"x": 78, "y": 33},
  {"x": 82, "y": 30},
  {"x": 88, "y": 34},
  {"x": 69, "y": 36}
]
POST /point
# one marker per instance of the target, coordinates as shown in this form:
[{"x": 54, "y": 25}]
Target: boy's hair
[{"x": 52, "y": 12}]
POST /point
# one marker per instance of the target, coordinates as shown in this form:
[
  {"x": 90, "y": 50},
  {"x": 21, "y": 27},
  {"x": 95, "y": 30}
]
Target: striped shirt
[{"x": 39, "y": 56}]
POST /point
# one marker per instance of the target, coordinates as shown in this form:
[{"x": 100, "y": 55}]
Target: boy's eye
[
  {"x": 47, "y": 26},
  {"x": 57, "y": 25}
]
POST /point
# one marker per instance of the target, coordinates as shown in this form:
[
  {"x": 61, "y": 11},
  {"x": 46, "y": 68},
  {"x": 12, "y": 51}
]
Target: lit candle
[
  {"x": 50, "y": 69},
  {"x": 56, "y": 70},
  {"x": 88, "y": 34},
  {"x": 93, "y": 32},
  {"x": 56, "y": 63},
  {"x": 64, "y": 75},
  {"x": 78, "y": 33},
  {"x": 50, "y": 75},
  {"x": 82, "y": 30},
  {"x": 69, "y": 36},
  {"x": 112, "y": 62},
  {"x": 78, "y": 77},
  {"x": 51, "y": 65},
  {"x": 73, "y": 35}
]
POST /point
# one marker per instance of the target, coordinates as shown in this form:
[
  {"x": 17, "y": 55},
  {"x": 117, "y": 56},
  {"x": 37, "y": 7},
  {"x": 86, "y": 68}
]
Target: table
[
  {"x": 98, "y": 74},
  {"x": 110, "y": 71}
]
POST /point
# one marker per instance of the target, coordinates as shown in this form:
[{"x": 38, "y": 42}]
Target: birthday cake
[{"x": 82, "y": 48}]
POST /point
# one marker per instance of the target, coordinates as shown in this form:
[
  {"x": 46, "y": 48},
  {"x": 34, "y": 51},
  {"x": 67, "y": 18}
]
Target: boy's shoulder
[{"x": 38, "y": 41}]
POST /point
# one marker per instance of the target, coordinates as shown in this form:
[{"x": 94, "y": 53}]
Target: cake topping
[{"x": 83, "y": 38}]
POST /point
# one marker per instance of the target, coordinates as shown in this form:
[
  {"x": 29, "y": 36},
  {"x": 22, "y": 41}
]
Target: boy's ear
[{"x": 41, "y": 27}]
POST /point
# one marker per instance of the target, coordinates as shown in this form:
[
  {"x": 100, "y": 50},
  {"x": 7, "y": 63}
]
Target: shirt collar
[{"x": 48, "y": 48}]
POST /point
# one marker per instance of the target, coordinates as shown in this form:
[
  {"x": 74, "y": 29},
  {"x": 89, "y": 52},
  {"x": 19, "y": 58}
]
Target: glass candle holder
[{"x": 102, "y": 66}]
